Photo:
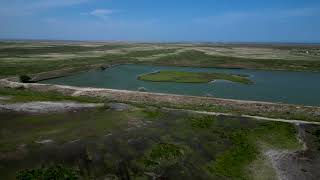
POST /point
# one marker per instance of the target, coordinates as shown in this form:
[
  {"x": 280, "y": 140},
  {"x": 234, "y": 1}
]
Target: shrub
[
  {"x": 102, "y": 68},
  {"x": 203, "y": 123},
  {"x": 49, "y": 173},
  {"x": 24, "y": 79}
]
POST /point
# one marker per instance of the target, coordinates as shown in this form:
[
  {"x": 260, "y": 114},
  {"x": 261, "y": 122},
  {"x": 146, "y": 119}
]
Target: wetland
[{"x": 257, "y": 85}]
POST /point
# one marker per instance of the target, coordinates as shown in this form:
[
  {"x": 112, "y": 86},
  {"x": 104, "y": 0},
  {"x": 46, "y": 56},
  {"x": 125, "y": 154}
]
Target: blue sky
[{"x": 162, "y": 20}]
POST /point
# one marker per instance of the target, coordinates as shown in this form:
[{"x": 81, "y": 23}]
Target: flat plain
[
  {"x": 25, "y": 57},
  {"x": 122, "y": 139}
]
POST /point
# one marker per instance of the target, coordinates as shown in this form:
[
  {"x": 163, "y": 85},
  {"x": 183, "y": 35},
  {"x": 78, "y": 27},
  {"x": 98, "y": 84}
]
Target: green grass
[
  {"x": 19, "y": 58},
  {"x": 203, "y": 123},
  {"x": 283, "y": 136},
  {"x": 192, "y": 77},
  {"x": 232, "y": 163},
  {"x": 200, "y": 59},
  {"x": 29, "y": 65},
  {"x": 248, "y": 144},
  {"x": 175, "y": 145},
  {"x": 296, "y": 115},
  {"x": 162, "y": 153},
  {"x": 147, "y": 53},
  {"x": 46, "y": 173},
  {"x": 60, "y": 127},
  {"x": 42, "y": 50},
  {"x": 24, "y": 95},
  {"x": 37, "y": 66},
  {"x": 152, "y": 113}
]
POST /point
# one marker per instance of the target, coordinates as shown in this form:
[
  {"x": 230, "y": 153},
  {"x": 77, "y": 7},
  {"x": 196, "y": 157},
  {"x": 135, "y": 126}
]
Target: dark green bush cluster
[
  {"x": 50, "y": 173},
  {"x": 164, "y": 155},
  {"x": 166, "y": 151},
  {"x": 102, "y": 68},
  {"x": 25, "y": 78},
  {"x": 202, "y": 123}
]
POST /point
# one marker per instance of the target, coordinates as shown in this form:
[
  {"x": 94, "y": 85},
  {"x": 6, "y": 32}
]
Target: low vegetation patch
[
  {"x": 152, "y": 113},
  {"x": 195, "y": 58},
  {"x": 164, "y": 153},
  {"x": 203, "y": 123},
  {"x": 193, "y": 146},
  {"x": 192, "y": 77},
  {"x": 147, "y": 53},
  {"x": 248, "y": 145},
  {"x": 25, "y": 78},
  {"x": 233, "y": 162},
  {"x": 26, "y": 57},
  {"x": 24, "y": 95},
  {"x": 48, "y": 173}
]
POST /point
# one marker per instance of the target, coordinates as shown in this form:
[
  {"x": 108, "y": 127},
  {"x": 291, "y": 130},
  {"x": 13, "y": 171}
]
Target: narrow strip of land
[{"x": 252, "y": 108}]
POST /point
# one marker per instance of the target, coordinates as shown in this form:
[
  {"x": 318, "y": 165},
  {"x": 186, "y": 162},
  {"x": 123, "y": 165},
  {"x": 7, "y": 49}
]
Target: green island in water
[{"x": 193, "y": 77}]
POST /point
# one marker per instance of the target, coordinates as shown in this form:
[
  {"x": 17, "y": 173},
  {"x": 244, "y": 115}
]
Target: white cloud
[
  {"x": 101, "y": 13},
  {"x": 55, "y": 3},
  {"x": 21, "y": 8}
]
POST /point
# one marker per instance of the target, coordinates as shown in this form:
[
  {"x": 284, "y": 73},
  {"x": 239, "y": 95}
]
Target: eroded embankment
[{"x": 210, "y": 104}]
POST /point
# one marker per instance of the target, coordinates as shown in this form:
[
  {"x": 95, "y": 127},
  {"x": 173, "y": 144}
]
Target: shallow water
[{"x": 272, "y": 86}]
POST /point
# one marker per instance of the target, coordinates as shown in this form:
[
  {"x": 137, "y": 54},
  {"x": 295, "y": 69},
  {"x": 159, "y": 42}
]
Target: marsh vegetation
[
  {"x": 192, "y": 77},
  {"x": 140, "y": 142}
]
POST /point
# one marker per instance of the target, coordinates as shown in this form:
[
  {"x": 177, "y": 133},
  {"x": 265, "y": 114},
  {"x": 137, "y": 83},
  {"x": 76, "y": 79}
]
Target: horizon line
[{"x": 163, "y": 41}]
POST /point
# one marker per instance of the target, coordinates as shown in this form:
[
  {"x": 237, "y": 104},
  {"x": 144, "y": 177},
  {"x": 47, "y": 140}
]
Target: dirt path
[
  {"x": 247, "y": 116},
  {"x": 303, "y": 164}
]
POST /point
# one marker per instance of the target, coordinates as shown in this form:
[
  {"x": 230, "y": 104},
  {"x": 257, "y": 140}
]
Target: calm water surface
[{"x": 274, "y": 86}]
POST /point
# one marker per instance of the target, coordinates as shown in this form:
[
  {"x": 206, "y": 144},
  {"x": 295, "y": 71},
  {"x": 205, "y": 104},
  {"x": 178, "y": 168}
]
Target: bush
[
  {"x": 102, "y": 68},
  {"x": 24, "y": 78},
  {"x": 203, "y": 123},
  {"x": 54, "y": 172}
]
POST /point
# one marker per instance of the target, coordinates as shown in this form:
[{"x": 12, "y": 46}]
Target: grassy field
[
  {"x": 129, "y": 143},
  {"x": 28, "y": 96},
  {"x": 140, "y": 142},
  {"x": 201, "y": 59},
  {"x": 192, "y": 77},
  {"x": 276, "y": 113},
  {"x": 33, "y": 57}
]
